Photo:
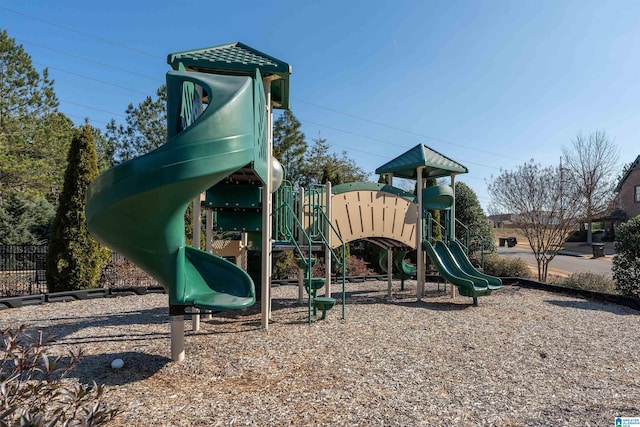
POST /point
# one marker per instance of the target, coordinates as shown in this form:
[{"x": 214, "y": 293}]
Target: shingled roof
[
  {"x": 435, "y": 164},
  {"x": 635, "y": 165},
  {"x": 237, "y": 59}
]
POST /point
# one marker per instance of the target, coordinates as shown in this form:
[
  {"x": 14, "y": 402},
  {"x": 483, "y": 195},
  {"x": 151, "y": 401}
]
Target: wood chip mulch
[{"x": 523, "y": 357}]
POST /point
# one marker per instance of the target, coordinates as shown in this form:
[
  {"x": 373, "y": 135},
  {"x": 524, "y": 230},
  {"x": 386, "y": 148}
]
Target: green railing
[
  {"x": 342, "y": 263},
  {"x": 468, "y": 238},
  {"x": 289, "y": 228},
  {"x": 431, "y": 224},
  {"x": 282, "y": 217}
]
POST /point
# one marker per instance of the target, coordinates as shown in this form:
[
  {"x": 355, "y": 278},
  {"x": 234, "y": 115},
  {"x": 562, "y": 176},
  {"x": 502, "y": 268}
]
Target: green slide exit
[
  {"x": 465, "y": 265},
  {"x": 468, "y": 285},
  {"x": 137, "y": 208}
]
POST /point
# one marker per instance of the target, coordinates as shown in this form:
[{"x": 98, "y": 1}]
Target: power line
[
  {"x": 353, "y": 133},
  {"x": 384, "y": 142},
  {"x": 297, "y": 99},
  {"x": 91, "y": 108},
  {"x": 53, "y": 24},
  {"x": 303, "y": 120},
  {"x": 84, "y": 58},
  {"x": 91, "y": 78},
  {"x": 405, "y": 130},
  {"x": 89, "y": 118},
  {"x": 378, "y": 123}
]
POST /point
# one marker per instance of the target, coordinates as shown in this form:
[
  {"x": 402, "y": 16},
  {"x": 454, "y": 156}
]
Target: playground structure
[{"x": 220, "y": 103}]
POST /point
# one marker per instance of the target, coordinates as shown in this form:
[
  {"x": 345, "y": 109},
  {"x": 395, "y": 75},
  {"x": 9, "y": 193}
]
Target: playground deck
[{"x": 523, "y": 357}]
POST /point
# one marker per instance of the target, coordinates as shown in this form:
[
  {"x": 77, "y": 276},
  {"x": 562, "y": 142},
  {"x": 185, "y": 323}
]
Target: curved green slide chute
[
  {"x": 137, "y": 208},
  {"x": 470, "y": 286},
  {"x": 398, "y": 264}
]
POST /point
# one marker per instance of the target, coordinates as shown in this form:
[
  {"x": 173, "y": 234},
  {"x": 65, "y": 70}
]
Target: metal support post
[
  {"x": 177, "y": 338},
  {"x": 328, "y": 232},
  {"x": 420, "y": 268}
]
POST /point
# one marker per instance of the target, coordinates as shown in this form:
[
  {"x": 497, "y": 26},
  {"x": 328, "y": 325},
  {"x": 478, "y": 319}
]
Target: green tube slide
[
  {"x": 470, "y": 286},
  {"x": 398, "y": 264},
  {"x": 137, "y": 208}
]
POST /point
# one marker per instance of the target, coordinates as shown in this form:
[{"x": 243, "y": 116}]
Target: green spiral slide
[
  {"x": 137, "y": 208},
  {"x": 399, "y": 266}
]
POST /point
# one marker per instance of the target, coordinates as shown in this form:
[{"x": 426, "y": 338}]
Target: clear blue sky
[{"x": 491, "y": 84}]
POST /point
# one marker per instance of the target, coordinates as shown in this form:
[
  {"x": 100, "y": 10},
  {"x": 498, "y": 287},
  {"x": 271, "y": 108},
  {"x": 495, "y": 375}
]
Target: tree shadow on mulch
[
  {"x": 138, "y": 366},
  {"x": 433, "y": 305},
  {"x": 594, "y": 306},
  {"x": 61, "y": 331}
]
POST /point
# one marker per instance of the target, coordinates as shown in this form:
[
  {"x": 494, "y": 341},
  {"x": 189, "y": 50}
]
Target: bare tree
[
  {"x": 542, "y": 206},
  {"x": 591, "y": 163}
]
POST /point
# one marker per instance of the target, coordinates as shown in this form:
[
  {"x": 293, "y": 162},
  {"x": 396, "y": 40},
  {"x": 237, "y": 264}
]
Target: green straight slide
[
  {"x": 468, "y": 285},
  {"x": 137, "y": 208},
  {"x": 465, "y": 265}
]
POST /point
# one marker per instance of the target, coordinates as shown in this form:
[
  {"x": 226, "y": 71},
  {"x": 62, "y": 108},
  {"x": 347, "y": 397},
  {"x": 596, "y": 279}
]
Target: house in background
[
  {"x": 501, "y": 220},
  {"x": 626, "y": 204}
]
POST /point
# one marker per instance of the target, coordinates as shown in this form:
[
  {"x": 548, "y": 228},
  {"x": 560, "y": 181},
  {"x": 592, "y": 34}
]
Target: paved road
[{"x": 566, "y": 263}]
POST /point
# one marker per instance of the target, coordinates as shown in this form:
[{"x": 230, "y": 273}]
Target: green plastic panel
[
  {"x": 439, "y": 197},
  {"x": 261, "y": 148},
  {"x": 239, "y": 221},
  {"x": 233, "y": 197}
]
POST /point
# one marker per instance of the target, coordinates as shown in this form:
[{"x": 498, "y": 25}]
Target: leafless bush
[{"x": 121, "y": 272}]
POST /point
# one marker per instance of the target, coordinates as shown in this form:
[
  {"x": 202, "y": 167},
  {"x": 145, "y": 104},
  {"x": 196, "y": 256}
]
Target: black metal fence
[{"x": 22, "y": 271}]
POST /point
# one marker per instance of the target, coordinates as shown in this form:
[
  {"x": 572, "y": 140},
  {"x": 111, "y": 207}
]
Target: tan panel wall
[
  {"x": 227, "y": 248},
  {"x": 364, "y": 214}
]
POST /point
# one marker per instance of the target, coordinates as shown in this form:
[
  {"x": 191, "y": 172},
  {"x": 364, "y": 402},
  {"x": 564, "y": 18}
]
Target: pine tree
[
  {"x": 34, "y": 137},
  {"x": 320, "y": 166},
  {"x": 145, "y": 130},
  {"x": 23, "y": 222},
  {"x": 289, "y": 146},
  {"x": 75, "y": 259}
]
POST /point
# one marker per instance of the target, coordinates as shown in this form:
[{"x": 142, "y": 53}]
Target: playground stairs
[{"x": 304, "y": 226}]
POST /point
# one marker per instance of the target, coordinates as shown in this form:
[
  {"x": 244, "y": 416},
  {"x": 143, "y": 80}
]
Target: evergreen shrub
[
  {"x": 626, "y": 261},
  {"x": 75, "y": 259}
]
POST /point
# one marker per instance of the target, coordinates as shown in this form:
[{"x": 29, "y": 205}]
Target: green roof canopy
[
  {"x": 436, "y": 165},
  {"x": 237, "y": 59}
]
